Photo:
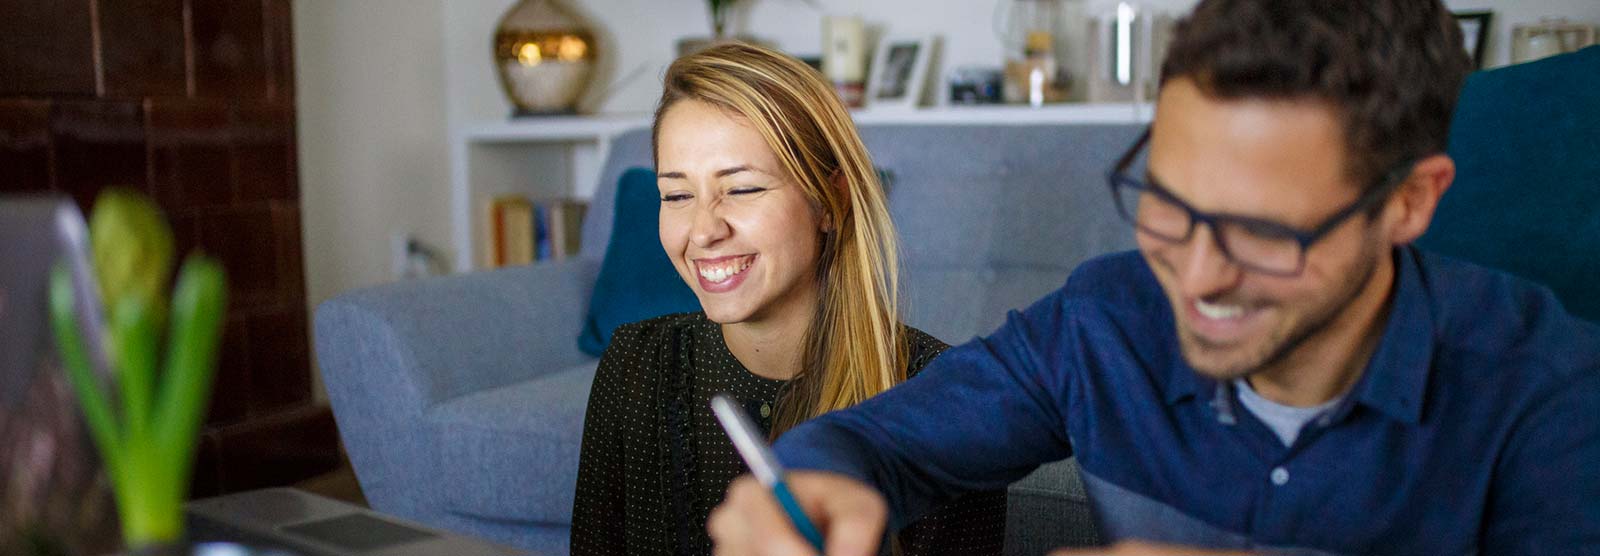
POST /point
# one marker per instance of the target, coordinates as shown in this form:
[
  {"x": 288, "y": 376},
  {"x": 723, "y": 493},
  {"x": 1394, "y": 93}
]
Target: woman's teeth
[
  {"x": 1217, "y": 311},
  {"x": 721, "y": 272}
]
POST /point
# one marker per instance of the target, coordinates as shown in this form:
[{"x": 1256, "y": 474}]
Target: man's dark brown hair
[{"x": 1392, "y": 68}]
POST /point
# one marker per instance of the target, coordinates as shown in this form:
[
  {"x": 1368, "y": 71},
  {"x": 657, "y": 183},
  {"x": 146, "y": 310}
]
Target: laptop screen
[{"x": 54, "y": 497}]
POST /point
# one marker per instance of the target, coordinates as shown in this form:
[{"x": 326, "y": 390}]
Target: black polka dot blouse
[{"x": 655, "y": 462}]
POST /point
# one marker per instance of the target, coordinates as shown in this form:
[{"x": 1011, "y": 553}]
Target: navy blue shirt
[{"x": 1474, "y": 428}]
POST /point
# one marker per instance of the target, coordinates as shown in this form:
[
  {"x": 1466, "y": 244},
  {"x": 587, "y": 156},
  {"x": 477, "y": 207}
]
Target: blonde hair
[{"x": 856, "y": 346}]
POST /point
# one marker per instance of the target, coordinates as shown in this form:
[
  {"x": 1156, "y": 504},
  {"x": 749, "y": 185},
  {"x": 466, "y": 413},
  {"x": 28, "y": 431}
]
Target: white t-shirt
[{"x": 1284, "y": 420}]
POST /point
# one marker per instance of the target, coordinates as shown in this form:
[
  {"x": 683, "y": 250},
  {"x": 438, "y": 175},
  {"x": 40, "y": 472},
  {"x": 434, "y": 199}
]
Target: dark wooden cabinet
[{"x": 191, "y": 101}]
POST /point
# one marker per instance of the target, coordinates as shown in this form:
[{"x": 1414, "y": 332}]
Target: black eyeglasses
[{"x": 1254, "y": 244}]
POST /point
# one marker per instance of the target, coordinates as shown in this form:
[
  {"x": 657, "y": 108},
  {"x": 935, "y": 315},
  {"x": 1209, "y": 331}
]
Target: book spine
[{"x": 541, "y": 233}]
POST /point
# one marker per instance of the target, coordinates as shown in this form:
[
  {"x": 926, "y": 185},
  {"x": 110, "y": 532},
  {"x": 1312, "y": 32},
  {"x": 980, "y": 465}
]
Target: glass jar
[{"x": 1032, "y": 33}]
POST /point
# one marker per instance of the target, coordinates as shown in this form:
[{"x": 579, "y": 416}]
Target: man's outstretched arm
[{"x": 978, "y": 417}]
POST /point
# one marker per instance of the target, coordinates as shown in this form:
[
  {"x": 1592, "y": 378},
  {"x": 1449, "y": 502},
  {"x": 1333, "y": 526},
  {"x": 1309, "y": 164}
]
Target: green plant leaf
[
  {"x": 134, "y": 337},
  {"x": 91, "y": 399},
  {"x": 198, "y": 305}
]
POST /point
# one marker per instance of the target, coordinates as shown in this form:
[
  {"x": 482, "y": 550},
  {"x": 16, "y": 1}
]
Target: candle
[{"x": 844, "y": 47}]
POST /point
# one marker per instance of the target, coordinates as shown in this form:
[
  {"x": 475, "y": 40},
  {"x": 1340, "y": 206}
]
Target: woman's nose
[{"x": 709, "y": 227}]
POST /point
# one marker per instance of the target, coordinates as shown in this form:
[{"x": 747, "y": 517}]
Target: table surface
[{"x": 312, "y": 525}]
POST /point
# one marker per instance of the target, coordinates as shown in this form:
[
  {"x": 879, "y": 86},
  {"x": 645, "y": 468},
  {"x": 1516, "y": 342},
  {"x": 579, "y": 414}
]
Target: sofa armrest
[
  {"x": 388, "y": 353},
  {"x": 466, "y": 333}
]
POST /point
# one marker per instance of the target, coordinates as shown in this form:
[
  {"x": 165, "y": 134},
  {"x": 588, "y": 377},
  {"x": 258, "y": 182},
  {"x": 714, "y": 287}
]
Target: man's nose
[{"x": 1204, "y": 269}]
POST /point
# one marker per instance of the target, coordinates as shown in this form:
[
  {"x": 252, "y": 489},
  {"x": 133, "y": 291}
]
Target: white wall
[
  {"x": 644, "y": 33},
  {"x": 374, "y": 155}
]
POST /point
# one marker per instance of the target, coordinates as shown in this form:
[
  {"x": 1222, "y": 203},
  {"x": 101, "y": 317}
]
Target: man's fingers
[
  {"x": 853, "y": 527},
  {"x": 850, "y": 515},
  {"x": 749, "y": 521}
]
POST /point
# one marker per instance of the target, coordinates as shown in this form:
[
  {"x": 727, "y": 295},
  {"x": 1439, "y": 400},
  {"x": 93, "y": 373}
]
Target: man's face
[{"x": 1282, "y": 161}]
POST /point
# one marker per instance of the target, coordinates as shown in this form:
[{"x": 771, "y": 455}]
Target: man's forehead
[
  {"x": 1306, "y": 136},
  {"x": 1260, "y": 157}
]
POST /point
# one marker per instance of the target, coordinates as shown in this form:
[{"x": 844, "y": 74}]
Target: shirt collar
[{"x": 1394, "y": 380}]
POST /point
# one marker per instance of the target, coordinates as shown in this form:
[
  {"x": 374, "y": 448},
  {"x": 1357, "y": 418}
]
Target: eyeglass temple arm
[{"x": 1127, "y": 157}]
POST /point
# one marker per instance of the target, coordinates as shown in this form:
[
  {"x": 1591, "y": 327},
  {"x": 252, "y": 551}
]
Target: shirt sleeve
[
  {"x": 978, "y": 417},
  {"x": 599, "y": 505},
  {"x": 1545, "y": 495}
]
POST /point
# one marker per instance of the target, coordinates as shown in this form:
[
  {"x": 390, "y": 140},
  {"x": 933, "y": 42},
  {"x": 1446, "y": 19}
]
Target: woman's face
[{"x": 740, "y": 232}]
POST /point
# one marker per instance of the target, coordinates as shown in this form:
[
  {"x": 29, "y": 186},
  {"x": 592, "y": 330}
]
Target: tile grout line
[
  {"x": 98, "y": 48},
  {"x": 267, "y": 42},
  {"x": 188, "y": 48}
]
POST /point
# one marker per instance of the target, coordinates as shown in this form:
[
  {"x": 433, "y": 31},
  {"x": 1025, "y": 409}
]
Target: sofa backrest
[
  {"x": 1526, "y": 198},
  {"x": 628, "y": 150},
  {"x": 990, "y": 217}
]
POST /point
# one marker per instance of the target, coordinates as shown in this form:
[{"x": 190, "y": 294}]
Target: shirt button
[
  {"x": 766, "y": 410},
  {"x": 1280, "y": 476}
]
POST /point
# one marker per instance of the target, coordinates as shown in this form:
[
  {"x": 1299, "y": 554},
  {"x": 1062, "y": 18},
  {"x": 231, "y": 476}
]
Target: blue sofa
[{"x": 460, "y": 400}]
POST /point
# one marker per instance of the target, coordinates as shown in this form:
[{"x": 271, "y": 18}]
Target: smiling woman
[
  {"x": 743, "y": 235},
  {"x": 772, "y": 214}
]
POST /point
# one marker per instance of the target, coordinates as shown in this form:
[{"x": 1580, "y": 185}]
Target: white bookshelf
[{"x": 561, "y": 156}]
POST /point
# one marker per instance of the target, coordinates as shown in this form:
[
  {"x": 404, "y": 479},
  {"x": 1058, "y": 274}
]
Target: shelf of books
[{"x": 521, "y": 231}]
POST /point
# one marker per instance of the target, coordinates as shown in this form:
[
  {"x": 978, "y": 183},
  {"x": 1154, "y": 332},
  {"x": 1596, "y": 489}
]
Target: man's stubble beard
[{"x": 1282, "y": 344}]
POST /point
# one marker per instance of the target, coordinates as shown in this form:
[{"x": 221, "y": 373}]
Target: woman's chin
[{"x": 720, "y": 312}]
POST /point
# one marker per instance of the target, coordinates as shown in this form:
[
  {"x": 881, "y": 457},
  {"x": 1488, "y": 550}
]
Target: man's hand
[
  {"x": 1139, "y": 548},
  {"x": 851, "y": 516}
]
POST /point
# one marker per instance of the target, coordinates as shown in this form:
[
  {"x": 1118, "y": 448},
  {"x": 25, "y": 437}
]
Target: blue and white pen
[{"x": 747, "y": 438}]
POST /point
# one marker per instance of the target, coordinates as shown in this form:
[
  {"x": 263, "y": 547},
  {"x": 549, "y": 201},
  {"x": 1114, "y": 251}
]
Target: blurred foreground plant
[{"x": 162, "y": 395}]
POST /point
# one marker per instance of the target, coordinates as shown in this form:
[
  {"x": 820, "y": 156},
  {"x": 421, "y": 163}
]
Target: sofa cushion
[
  {"x": 511, "y": 453},
  {"x": 636, "y": 281}
]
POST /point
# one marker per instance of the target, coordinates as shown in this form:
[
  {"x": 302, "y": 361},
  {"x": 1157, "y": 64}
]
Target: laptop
[
  {"x": 54, "y": 499},
  {"x": 316, "y": 526}
]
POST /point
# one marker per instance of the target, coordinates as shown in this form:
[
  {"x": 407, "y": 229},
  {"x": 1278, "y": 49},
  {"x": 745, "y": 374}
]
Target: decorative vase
[{"x": 545, "y": 54}]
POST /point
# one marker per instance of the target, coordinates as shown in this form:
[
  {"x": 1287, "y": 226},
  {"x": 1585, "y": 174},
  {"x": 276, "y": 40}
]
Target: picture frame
[
  {"x": 1475, "y": 34},
  {"x": 899, "y": 71}
]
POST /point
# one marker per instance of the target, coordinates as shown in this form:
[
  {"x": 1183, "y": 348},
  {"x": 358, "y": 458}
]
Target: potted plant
[
  {"x": 719, "y": 17},
  {"x": 719, "y": 28},
  {"x": 162, "y": 358}
]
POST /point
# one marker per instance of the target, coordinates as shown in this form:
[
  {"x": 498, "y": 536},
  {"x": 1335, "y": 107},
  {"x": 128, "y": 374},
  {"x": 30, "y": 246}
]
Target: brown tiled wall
[{"x": 191, "y": 101}]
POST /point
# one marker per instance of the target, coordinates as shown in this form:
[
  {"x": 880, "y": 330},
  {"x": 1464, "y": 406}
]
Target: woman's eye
[
  {"x": 746, "y": 190},
  {"x": 674, "y": 197}
]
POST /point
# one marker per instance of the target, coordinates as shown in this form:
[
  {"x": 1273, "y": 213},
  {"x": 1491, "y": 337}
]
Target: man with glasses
[{"x": 1275, "y": 369}]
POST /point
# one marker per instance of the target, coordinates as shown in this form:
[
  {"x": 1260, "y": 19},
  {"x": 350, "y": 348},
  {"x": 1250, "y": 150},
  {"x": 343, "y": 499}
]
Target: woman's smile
[{"x": 722, "y": 274}]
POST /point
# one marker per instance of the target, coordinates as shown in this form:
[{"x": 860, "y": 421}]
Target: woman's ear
[{"x": 842, "y": 186}]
